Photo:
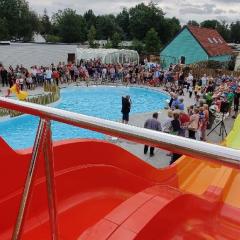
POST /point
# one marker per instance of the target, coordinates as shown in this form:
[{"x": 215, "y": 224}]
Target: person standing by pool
[
  {"x": 153, "y": 124},
  {"x": 4, "y": 74},
  {"x": 126, "y": 108},
  {"x": 48, "y": 75}
]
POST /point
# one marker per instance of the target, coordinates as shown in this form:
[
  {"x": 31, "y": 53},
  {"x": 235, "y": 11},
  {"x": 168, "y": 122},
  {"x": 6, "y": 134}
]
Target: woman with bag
[{"x": 193, "y": 124}]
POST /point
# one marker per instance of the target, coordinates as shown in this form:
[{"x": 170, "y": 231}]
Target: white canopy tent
[{"x": 108, "y": 56}]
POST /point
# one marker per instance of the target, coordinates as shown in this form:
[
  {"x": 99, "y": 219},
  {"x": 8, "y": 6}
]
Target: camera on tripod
[{"x": 224, "y": 108}]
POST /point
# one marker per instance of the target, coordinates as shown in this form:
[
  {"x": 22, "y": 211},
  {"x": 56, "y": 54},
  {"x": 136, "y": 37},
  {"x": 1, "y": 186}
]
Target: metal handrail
[
  {"x": 43, "y": 142},
  {"x": 161, "y": 140}
]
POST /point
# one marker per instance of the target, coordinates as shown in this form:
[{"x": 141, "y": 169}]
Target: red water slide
[{"x": 104, "y": 192}]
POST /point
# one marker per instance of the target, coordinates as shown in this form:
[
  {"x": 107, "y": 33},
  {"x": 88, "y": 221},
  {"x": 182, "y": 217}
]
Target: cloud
[
  {"x": 197, "y": 9},
  {"x": 233, "y": 11},
  {"x": 228, "y": 1},
  {"x": 182, "y": 9},
  {"x": 99, "y": 7},
  {"x": 219, "y": 11}
]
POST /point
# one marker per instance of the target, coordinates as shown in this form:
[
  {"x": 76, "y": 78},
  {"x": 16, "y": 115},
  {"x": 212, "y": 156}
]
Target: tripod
[{"x": 222, "y": 127}]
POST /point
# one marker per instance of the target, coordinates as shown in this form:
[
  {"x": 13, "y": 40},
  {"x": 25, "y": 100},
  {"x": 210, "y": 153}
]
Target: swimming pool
[{"x": 102, "y": 102}]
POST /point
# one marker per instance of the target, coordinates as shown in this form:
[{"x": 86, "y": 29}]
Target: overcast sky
[{"x": 185, "y": 10}]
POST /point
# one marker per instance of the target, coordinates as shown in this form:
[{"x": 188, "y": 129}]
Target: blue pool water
[{"x": 103, "y": 102}]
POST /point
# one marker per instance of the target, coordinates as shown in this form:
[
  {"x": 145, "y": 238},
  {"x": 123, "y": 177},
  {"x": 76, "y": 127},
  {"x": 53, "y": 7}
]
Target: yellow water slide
[
  {"x": 21, "y": 95},
  {"x": 233, "y": 138}
]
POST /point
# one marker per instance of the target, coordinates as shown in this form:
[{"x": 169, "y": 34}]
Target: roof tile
[{"x": 211, "y": 41}]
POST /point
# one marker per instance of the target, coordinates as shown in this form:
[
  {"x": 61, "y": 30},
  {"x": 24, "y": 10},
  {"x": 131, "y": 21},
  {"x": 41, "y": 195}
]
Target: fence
[{"x": 199, "y": 72}]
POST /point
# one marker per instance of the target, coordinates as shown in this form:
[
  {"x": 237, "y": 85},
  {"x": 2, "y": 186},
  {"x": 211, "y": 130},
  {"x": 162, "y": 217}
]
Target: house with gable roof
[{"x": 195, "y": 44}]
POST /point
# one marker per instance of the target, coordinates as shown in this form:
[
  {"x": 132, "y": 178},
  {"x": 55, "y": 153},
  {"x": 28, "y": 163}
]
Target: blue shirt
[
  {"x": 175, "y": 103},
  {"x": 181, "y": 106}
]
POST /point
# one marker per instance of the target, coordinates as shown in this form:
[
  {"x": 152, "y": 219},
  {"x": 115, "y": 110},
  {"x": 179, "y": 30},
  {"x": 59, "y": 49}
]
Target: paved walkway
[{"x": 161, "y": 158}]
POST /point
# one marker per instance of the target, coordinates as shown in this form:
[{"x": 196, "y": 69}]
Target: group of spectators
[
  {"x": 212, "y": 97},
  {"x": 30, "y": 78}
]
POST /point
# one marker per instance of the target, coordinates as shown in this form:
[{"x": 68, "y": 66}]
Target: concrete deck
[{"x": 161, "y": 158}]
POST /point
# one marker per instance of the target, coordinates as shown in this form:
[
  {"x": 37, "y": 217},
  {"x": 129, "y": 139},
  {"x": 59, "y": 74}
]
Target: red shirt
[
  {"x": 184, "y": 118},
  {"x": 55, "y": 74}
]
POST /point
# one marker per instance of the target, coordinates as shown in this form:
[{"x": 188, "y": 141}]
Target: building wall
[
  {"x": 223, "y": 58},
  {"x": 30, "y": 54},
  {"x": 183, "y": 45}
]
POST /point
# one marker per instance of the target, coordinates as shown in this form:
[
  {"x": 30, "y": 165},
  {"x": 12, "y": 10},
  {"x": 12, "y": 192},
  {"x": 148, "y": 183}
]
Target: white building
[{"x": 108, "y": 56}]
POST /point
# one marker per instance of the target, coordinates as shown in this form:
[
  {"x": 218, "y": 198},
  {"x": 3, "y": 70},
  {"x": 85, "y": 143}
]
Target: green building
[{"x": 194, "y": 44}]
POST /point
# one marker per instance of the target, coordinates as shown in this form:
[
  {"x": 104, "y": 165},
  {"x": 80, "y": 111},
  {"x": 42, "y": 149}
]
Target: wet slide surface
[{"x": 104, "y": 192}]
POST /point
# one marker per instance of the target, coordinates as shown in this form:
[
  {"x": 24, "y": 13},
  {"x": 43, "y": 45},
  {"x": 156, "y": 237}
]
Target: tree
[
  {"x": 46, "y": 26},
  {"x": 143, "y": 17},
  {"x": 19, "y": 19},
  {"x": 3, "y": 29},
  {"x": 152, "y": 41},
  {"x": 122, "y": 20},
  {"x": 92, "y": 37},
  {"x": 108, "y": 45},
  {"x": 70, "y": 26},
  {"x": 224, "y": 31},
  {"x": 235, "y": 32},
  {"x": 170, "y": 27},
  {"x": 53, "y": 38},
  {"x": 193, "y": 23},
  {"x": 115, "y": 40},
  {"x": 28, "y": 24},
  {"x": 106, "y": 26},
  {"x": 90, "y": 18},
  {"x": 137, "y": 45},
  {"x": 210, "y": 24}
]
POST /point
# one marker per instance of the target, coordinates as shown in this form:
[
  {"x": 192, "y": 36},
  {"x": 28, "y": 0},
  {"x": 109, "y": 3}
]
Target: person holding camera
[{"x": 126, "y": 108}]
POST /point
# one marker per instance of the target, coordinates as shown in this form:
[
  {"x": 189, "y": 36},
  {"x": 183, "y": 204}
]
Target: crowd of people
[
  {"x": 210, "y": 94},
  {"x": 30, "y": 78},
  {"x": 213, "y": 98},
  {"x": 219, "y": 97}
]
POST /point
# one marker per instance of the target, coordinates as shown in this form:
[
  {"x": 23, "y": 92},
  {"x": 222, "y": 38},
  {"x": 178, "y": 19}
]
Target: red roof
[{"x": 210, "y": 40}]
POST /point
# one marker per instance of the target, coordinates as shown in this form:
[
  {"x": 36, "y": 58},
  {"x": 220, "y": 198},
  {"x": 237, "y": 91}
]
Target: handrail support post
[{"x": 50, "y": 181}]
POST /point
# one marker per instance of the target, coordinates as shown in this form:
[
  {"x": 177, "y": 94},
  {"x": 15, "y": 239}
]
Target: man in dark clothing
[
  {"x": 176, "y": 129},
  {"x": 126, "y": 108},
  {"x": 152, "y": 124},
  {"x": 4, "y": 75},
  {"x": 236, "y": 102}
]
